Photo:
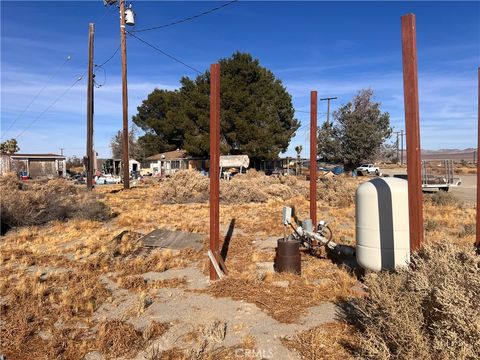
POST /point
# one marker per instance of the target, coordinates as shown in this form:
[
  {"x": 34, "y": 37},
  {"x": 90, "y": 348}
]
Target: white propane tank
[
  {"x": 382, "y": 227},
  {"x": 129, "y": 17}
]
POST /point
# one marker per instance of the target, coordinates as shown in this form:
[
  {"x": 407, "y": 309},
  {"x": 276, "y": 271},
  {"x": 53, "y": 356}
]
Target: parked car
[
  {"x": 367, "y": 169},
  {"x": 105, "y": 179}
]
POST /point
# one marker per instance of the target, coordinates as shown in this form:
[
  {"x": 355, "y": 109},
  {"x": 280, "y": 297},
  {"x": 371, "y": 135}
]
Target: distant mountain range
[{"x": 450, "y": 154}]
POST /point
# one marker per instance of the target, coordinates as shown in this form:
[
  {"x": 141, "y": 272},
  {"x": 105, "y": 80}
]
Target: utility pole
[
  {"x": 89, "y": 163},
  {"x": 61, "y": 151},
  {"x": 401, "y": 147},
  {"x": 328, "y": 107},
  {"x": 397, "y": 146},
  {"x": 123, "y": 40}
]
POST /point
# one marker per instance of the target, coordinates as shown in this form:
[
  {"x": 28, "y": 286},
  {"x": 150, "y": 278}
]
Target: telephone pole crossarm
[{"x": 328, "y": 107}]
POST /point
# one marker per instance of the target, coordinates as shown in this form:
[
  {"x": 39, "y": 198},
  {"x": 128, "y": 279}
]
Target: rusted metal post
[
  {"x": 89, "y": 159},
  {"x": 412, "y": 129},
  {"x": 214, "y": 163},
  {"x": 477, "y": 243},
  {"x": 313, "y": 157},
  {"x": 125, "y": 137}
]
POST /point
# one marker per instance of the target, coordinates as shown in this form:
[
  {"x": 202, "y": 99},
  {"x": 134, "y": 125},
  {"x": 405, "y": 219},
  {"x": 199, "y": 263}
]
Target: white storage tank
[{"x": 382, "y": 228}]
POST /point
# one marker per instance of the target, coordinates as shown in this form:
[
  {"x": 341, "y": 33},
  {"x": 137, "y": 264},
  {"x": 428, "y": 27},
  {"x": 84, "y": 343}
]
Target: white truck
[{"x": 368, "y": 169}]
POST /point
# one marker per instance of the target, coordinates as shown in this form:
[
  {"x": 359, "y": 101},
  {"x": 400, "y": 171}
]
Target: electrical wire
[
  {"x": 164, "y": 53},
  {"x": 110, "y": 58},
  {"x": 188, "y": 18},
  {"x": 95, "y": 83},
  {"x": 37, "y": 95},
  {"x": 51, "y": 105}
]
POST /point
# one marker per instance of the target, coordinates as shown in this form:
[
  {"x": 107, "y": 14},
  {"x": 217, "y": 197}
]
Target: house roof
[
  {"x": 38, "y": 156},
  {"x": 169, "y": 155}
]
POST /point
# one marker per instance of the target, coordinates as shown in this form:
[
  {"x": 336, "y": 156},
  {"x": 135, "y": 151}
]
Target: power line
[
  {"x": 188, "y": 18},
  {"x": 37, "y": 95},
  {"x": 51, "y": 105},
  {"x": 110, "y": 58},
  {"x": 164, "y": 53}
]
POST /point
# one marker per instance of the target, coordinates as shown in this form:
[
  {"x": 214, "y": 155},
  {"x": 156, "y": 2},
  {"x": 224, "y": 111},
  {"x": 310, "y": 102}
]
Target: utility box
[{"x": 382, "y": 224}]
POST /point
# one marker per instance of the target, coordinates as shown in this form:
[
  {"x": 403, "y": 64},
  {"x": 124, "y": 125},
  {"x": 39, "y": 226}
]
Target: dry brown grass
[
  {"x": 320, "y": 279},
  {"x": 429, "y": 311},
  {"x": 324, "y": 342},
  {"x": 116, "y": 338},
  {"x": 91, "y": 250},
  {"x": 191, "y": 187},
  {"x": 34, "y": 203}
]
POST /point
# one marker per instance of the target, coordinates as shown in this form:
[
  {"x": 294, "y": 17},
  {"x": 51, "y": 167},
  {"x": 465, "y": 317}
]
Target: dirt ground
[{"x": 74, "y": 289}]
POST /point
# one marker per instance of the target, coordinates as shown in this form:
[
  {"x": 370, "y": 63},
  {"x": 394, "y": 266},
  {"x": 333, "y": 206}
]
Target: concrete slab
[{"x": 177, "y": 240}]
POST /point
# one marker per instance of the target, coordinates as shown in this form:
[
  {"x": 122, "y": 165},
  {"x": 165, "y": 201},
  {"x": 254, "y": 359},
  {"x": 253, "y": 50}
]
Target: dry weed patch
[
  {"x": 117, "y": 338},
  {"x": 327, "y": 342},
  {"x": 286, "y": 303},
  {"x": 35, "y": 203},
  {"x": 429, "y": 311},
  {"x": 253, "y": 187}
]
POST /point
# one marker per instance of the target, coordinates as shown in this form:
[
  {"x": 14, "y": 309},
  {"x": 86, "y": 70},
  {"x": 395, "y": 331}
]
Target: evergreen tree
[
  {"x": 359, "y": 131},
  {"x": 257, "y": 115}
]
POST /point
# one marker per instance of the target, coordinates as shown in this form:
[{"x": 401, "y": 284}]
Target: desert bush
[
  {"x": 191, "y": 186},
  {"x": 183, "y": 187},
  {"x": 443, "y": 198},
  {"x": 467, "y": 230},
  {"x": 431, "y": 225},
  {"x": 337, "y": 191},
  {"x": 430, "y": 310},
  {"x": 35, "y": 203}
]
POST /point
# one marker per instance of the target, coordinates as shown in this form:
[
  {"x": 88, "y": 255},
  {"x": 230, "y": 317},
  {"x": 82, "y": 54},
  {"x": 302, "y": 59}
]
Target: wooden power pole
[
  {"x": 328, "y": 107},
  {"x": 89, "y": 162},
  {"x": 412, "y": 129},
  {"x": 125, "y": 137}
]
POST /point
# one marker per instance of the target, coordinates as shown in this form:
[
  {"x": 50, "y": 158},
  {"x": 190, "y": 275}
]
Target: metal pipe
[
  {"x": 214, "y": 163},
  {"x": 313, "y": 157},
  {"x": 412, "y": 129}
]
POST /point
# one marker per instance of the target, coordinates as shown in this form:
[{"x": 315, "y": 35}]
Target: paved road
[{"x": 466, "y": 192}]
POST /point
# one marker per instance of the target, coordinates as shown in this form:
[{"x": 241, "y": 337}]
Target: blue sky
[{"x": 336, "y": 48}]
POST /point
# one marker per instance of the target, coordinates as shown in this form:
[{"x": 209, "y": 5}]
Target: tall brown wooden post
[
  {"x": 412, "y": 129},
  {"x": 313, "y": 157},
  {"x": 477, "y": 243},
  {"x": 90, "y": 85},
  {"x": 214, "y": 163}
]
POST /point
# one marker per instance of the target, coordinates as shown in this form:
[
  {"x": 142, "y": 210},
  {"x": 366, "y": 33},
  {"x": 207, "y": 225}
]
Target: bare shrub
[
  {"x": 191, "y": 186},
  {"x": 35, "y": 203},
  {"x": 183, "y": 187},
  {"x": 337, "y": 191},
  {"x": 431, "y": 225},
  {"x": 467, "y": 230},
  {"x": 429, "y": 311},
  {"x": 443, "y": 198}
]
